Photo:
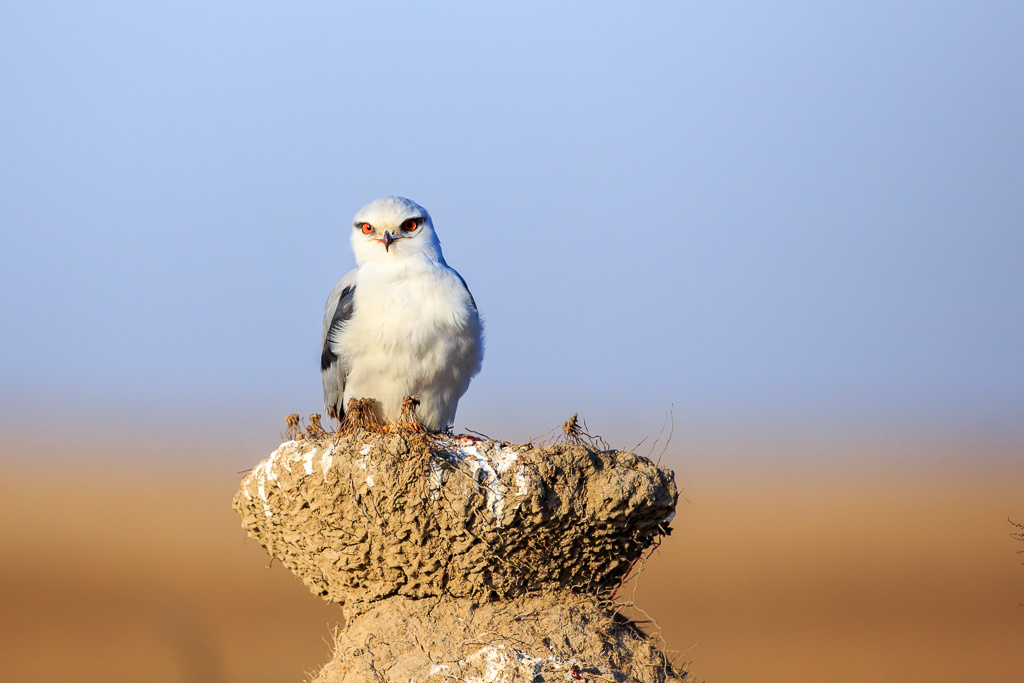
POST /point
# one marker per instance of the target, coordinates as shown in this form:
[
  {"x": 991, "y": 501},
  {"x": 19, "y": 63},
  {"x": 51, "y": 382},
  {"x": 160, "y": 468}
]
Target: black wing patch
[
  {"x": 342, "y": 314},
  {"x": 471, "y": 299}
]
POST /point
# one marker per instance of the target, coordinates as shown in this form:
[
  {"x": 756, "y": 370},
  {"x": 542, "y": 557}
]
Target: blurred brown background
[{"x": 781, "y": 570}]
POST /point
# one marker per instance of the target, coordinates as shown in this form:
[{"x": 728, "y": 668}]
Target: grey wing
[
  {"x": 472, "y": 301},
  {"x": 337, "y": 312}
]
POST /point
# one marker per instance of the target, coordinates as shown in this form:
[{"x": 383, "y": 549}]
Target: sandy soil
[{"x": 113, "y": 571}]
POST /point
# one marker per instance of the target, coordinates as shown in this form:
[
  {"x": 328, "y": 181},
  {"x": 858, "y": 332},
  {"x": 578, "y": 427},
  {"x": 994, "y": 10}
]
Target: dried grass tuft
[
  {"x": 315, "y": 429},
  {"x": 574, "y": 432},
  {"x": 293, "y": 424},
  {"x": 361, "y": 414},
  {"x": 408, "y": 419}
]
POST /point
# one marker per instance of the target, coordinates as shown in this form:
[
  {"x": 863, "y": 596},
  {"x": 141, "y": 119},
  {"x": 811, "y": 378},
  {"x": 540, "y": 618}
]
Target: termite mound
[{"x": 452, "y": 556}]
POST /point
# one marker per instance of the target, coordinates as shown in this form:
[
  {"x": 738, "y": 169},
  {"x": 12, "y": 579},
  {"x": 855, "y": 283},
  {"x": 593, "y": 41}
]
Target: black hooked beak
[{"x": 387, "y": 239}]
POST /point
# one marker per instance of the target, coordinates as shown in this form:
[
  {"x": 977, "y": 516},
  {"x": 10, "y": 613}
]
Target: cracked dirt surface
[{"x": 461, "y": 559}]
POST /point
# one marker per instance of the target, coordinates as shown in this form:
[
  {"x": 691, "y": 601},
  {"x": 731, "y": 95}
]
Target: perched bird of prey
[{"x": 403, "y": 323}]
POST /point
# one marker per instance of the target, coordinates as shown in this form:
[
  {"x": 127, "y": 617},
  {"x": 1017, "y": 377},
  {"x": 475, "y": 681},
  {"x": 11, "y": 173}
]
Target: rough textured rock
[{"x": 481, "y": 560}]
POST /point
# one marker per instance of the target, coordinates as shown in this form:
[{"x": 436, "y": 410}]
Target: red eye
[
  {"x": 410, "y": 225},
  {"x": 366, "y": 228}
]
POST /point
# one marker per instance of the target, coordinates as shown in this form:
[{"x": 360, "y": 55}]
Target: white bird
[{"x": 403, "y": 323}]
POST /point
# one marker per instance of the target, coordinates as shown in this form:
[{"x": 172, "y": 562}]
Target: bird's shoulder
[
  {"x": 340, "y": 301},
  {"x": 462, "y": 281},
  {"x": 349, "y": 279},
  {"x": 454, "y": 284}
]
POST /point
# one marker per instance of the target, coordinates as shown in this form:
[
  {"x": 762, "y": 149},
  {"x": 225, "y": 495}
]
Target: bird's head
[{"x": 394, "y": 228}]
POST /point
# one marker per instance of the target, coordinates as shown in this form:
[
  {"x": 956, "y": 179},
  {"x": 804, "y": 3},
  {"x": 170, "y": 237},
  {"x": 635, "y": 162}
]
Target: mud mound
[
  {"x": 367, "y": 516},
  {"x": 546, "y": 637},
  {"x": 460, "y": 559}
]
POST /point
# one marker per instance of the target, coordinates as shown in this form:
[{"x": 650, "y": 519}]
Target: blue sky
[{"x": 783, "y": 213}]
